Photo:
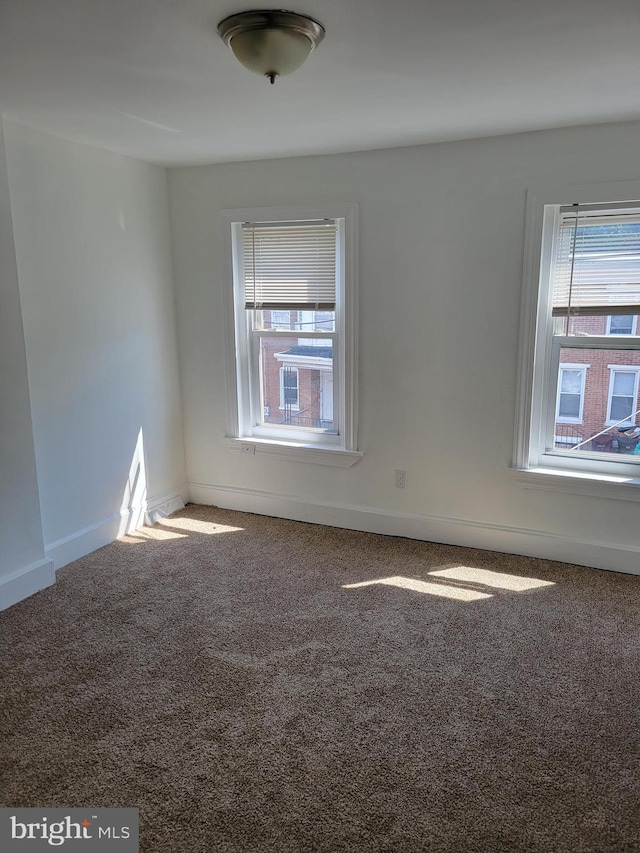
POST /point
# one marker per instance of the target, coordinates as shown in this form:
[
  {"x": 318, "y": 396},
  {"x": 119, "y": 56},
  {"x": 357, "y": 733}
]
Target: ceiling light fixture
[{"x": 271, "y": 42}]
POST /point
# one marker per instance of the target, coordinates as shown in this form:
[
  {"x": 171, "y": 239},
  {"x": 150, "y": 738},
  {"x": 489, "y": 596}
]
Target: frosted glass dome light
[{"x": 271, "y": 43}]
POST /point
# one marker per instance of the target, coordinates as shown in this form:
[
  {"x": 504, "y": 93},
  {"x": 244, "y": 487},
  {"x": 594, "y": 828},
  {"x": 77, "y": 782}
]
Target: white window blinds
[
  {"x": 597, "y": 270},
  {"x": 290, "y": 265}
]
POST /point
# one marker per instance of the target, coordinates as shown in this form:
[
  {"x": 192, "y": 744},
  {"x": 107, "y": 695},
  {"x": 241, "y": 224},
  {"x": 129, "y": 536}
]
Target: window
[
  {"x": 580, "y": 355},
  {"x": 293, "y": 388},
  {"x": 621, "y": 324},
  {"x": 622, "y": 405},
  {"x": 289, "y": 398},
  {"x": 571, "y": 393}
]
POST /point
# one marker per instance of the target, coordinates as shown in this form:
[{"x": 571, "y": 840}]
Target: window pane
[
  {"x": 278, "y": 319},
  {"x": 296, "y": 382},
  {"x": 624, "y": 383},
  {"x": 302, "y": 321},
  {"x": 571, "y": 381},
  {"x": 621, "y": 408},
  {"x": 569, "y": 406},
  {"x": 289, "y": 390},
  {"x": 595, "y": 326},
  {"x": 598, "y": 262},
  {"x": 290, "y": 264},
  {"x": 621, "y": 325},
  {"x": 609, "y": 401},
  {"x": 325, "y": 320},
  {"x": 315, "y": 321}
]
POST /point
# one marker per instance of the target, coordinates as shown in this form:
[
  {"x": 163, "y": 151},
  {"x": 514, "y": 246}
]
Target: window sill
[
  {"x": 294, "y": 452},
  {"x": 579, "y": 483}
]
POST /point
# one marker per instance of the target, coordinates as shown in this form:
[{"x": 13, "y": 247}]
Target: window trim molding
[
  {"x": 578, "y": 483},
  {"x": 535, "y": 351},
  {"x": 324, "y": 454},
  {"x": 238, "y": 398}
]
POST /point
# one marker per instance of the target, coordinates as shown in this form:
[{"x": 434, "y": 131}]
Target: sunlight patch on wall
[
  {"x": 134, "y": 498},
  {"x": 499, "y": 580},
  {"x": 442, "y": 590}
]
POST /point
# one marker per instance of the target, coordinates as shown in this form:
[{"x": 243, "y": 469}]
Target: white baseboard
[
  {"x": 165, "y": 505},
  {"x": 449, "y": 531},
  {"x": 25, "y": 582},
  {"x": 83, "y": 542}
]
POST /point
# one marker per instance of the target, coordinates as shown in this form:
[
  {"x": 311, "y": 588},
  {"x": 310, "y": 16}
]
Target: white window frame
[
  {"x": 283, "y": 404},
  {"x": 622, "y": 368},
  {"x": 582, "y": 369},
  {"x": 535, "y": 465},
  {"x": 634, "y": 325},
  {"x": 244, "y": 431}
]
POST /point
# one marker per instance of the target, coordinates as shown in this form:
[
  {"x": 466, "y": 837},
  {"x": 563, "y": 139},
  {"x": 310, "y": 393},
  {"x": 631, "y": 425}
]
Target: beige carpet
[{"x": 237, "y": 679}]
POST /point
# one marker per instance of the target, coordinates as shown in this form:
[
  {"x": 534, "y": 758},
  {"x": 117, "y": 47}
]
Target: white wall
[
  {"x": 23, "y": 568},
  {"x": 441, "y": 245},
  {"x": 94, "y": 265}
]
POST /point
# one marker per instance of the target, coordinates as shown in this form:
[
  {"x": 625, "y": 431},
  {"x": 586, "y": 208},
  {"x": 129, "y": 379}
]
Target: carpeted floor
[{"x": 235, "y": 678}]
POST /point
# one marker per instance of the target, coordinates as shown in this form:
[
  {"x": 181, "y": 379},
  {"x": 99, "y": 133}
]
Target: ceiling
[{"x": 151, "y": 78}]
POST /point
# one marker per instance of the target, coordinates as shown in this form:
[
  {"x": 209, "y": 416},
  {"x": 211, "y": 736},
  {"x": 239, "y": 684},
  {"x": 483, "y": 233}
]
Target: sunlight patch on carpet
[
  {"x": 499, "y": 580},
  {"x": 193, "y": 525},
  {"x": 442, "y": 590},
  {"x": 175, "y": 528},
  {"x": 150, "y": 534}
]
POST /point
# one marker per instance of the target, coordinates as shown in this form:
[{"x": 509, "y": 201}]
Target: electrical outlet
[{"x": 400, "y": 481}]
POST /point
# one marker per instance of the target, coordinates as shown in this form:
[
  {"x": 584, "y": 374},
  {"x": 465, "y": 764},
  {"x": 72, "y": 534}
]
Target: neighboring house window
[
  {"x": 289, "y": 395},
  {"x": 581, "y": 301},
  {"x": 293, "y": 303},
  {"x": 622, "y": 403},
  {"x": 281, "y": 319},
  {"x": 325, "y": 321},
  {"x": 621, "y": 324},
  {"x": 571, "y": 393}
]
